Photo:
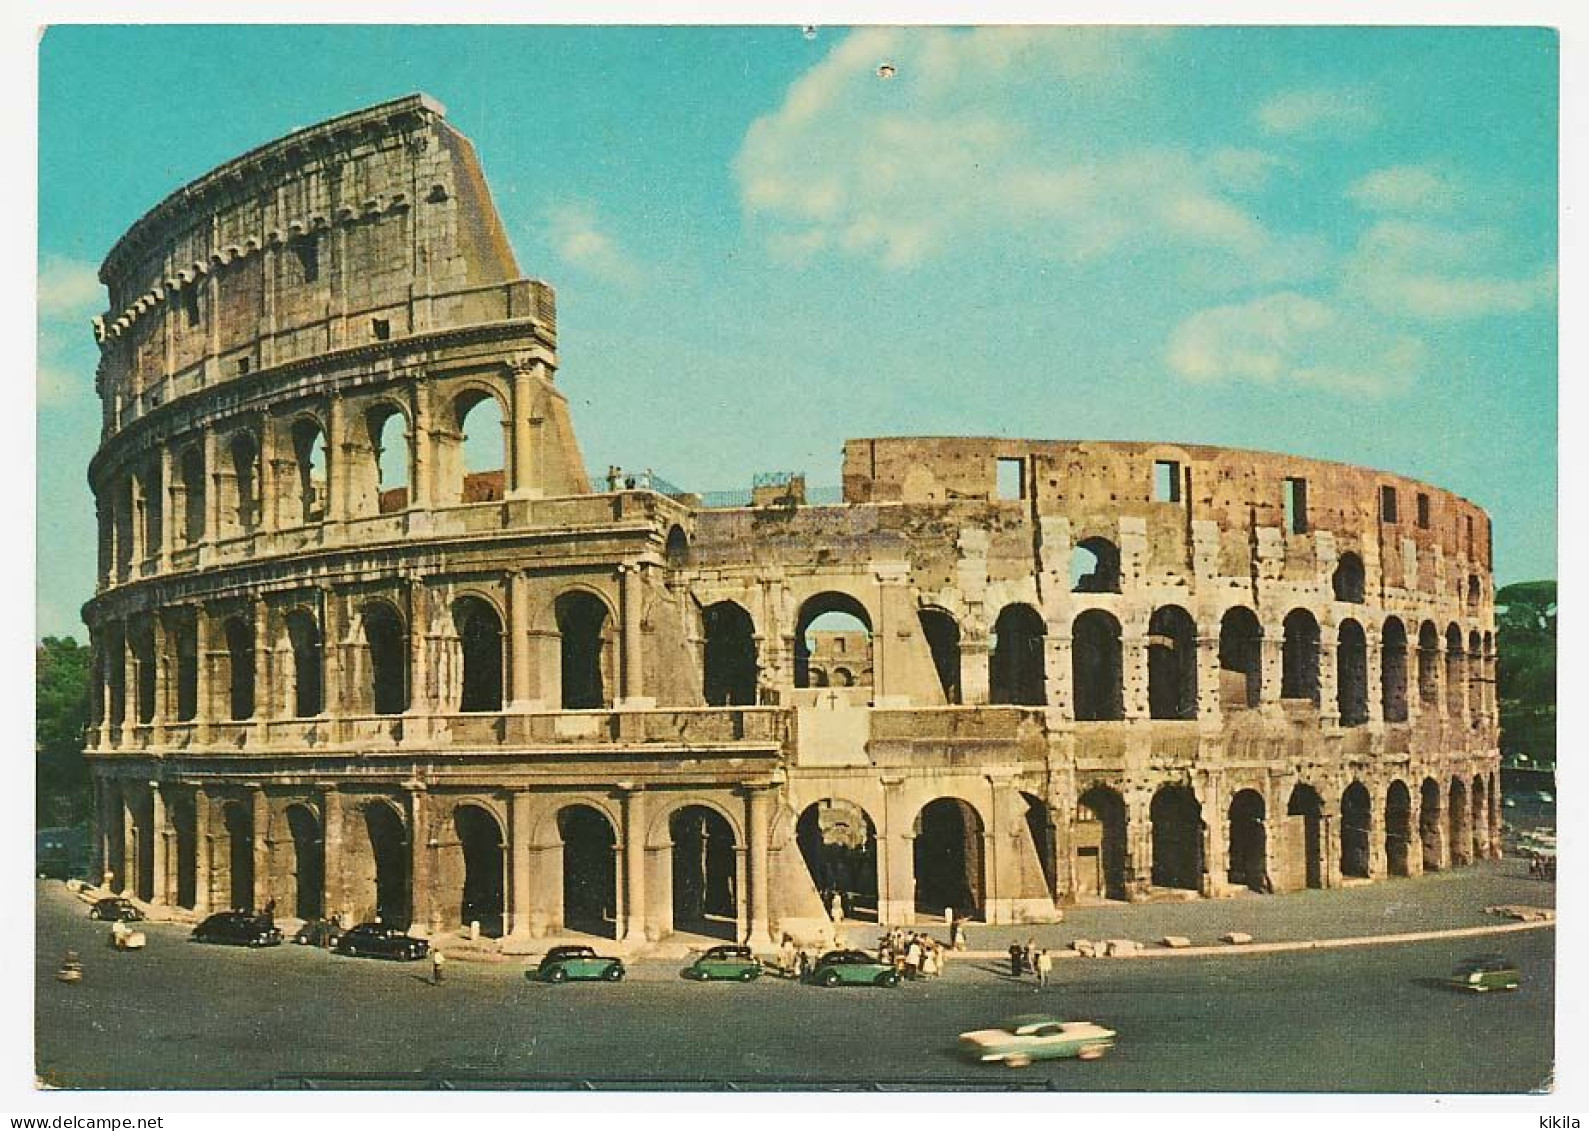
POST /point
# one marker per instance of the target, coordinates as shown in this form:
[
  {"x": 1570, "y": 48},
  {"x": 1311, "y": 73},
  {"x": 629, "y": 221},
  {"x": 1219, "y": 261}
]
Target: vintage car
[
  {"x": 735, "y": 963},
  {"x": 318, "y": 932},
  {"x": 115, "y": 909},
  {"x": 578, "y": 963},
  {"x": 852, "y": 968},
  {"x": 238, "y": 928},
  {"x": 1032, "y": 1037},
  {"x": 1485, "y": 972},
  {"x": 381, "y": 940}
]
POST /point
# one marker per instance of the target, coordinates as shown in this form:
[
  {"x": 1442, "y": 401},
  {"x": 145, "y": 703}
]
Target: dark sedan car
[
  {"x": 578, "y": 963},
  {"x": 238, "y": 928},
  {"x": 115, "y": 909},
  {"x": 381, "y": 940}
]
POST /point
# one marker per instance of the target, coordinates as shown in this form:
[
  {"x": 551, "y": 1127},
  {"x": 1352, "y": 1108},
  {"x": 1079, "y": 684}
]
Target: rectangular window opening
[
  {"x": 1387, "y": 504},
  {"x": 1470, "y": 535},
  {"x": 307, "y": 248},
  {"x": 1296, "y": 506},
  {"x": 382, "y": 328},
  {"x": 1423, "y": 511},
  {"x": 244, "y": 364},
  {"x": 1011, "y": 479},
  {"x": 190, "y": 304},
  {"x": 1166, "y": 481}
]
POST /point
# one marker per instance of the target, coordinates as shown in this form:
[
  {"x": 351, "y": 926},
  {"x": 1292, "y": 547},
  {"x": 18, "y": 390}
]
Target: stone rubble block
[{"x": 1236, "y": 938}]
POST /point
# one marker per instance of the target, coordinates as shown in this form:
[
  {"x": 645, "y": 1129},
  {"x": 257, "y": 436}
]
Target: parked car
[
  {"x": 238, "y": 928},
  {"x": 578, "y": 963},
  {"x": 1485, "y": 972},
  {"x": 852, "y": 968},
  {"x": 115, "y": 909},
  {"x": 381, "y": 940},
  {"x": 725, "y": 962},
  {"x": 1024, "y": 1039},
  {"x": 318, "y": 932}
]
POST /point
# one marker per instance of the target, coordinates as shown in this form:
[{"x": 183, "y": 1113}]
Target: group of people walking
[{"x": 1031, "y": 959}]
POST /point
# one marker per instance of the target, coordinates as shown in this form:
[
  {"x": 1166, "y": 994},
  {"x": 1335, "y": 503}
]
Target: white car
[{"x": 1025, "y": 1039}]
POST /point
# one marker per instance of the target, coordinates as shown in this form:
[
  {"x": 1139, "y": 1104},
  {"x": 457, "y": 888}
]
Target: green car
[
  {"x": 1484, "y": 973},
  {"x": 736, "y": 963},
  {"x": 1031, "y": 1037},
  {"x": 578, "y": 963},
  {"x": 852, "y": 968}
]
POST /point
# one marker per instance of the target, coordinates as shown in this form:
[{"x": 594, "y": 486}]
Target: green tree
[
  {"x": 61, "y": 679},
  {"x": 1525, "y": 638}
]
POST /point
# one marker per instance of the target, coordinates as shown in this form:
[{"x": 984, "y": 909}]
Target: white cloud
[
  {"x": 991, "y": 132},
  {"x": 1286, "y": 338},
  {"x": 1317, "y": 110},
  {"x": 69, "y": 288},
  {"x": 579, "y": 240},
  {"x": 1418, "y": 270},
  {"x": 1404, "y": 188}
]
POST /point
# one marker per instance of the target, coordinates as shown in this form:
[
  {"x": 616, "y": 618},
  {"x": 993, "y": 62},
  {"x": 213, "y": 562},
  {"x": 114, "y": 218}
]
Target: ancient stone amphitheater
[{"x": 369, "y": 641}]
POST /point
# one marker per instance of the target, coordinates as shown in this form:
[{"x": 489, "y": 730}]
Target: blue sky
[{"x": 1339, "y": 243}]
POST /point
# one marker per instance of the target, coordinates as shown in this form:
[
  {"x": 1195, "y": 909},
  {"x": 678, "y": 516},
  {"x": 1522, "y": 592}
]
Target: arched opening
[
  {"x": 1476, "y": 675},
  {"x": 393, "y": 456},
  {"x": 240, "y": 664},
  {"x": 141, "y": 640},
  {"x": 387, "y": 644},
  {"x": 586, "y": 630},
  {"x": 238, "y": 821},
  {"x": 1172, "y": 664},
  {"x": 948, "y": 859},
  {"x": 1398, "y": 828},
  {"x": 184, "y": 823},
  {"x": 311, "y": 465},
  {"x": 482, "y": 898},
  {"x": 1459, "y": 838},
  {"x": 308, "y": 862},
  {"x": 303, "y": 635},
  {"x": 242, "y": 510},
  {"x": 729, "y": 679},
  {"x": 1016, "y": 670},
  {"x": 1305, "y": 829},
  {"x": 590, "y": 871},
  {"x": 1240, "y": 659},
  {"x": 1040, "y": 827},
  {"x": 1095, "y": 566},
  {"x": 1177, "y": 820},
  {"x": 838, "y": 843},
  {"x": 1249, "y": 835},
  {"x": 842, "y": 677},
  {"x": 1357, "y": 830},
  {"x": 705, "y": 873},
  {"x": 1393, "y": 671},
  {"x": 186, "y": 642},
  {"x": 1299, "y": 674},
  {"x": 1475, "y": 590},
  {"x": 1456, "y": 675},
  {"x": 817, "y": 677},
  {"x": 152, "y": 499},
  {"x": 1095, "y": 666},
  {"x": 943, "y": 641},
  {"x": 832, "y": 628},
  {"x": 678, "y": 548},
  {"x": 1348, "y": 579},
  {"x": 389, "y": 848},
  {"x": 1428, "y": 665},
  {"x": 1429, "y": 821},
  {"x": 1351, "y": 674},
  {"x": 1098, "y": 839},
  {"x": 1478, "y": 821},
  {"x": 194, "y": 489},
  {"x": 479, "y": 631},
  {"x": 484, "y": 447}
]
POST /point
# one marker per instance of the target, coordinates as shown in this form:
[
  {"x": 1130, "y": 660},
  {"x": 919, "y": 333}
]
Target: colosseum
[{"x": 348, "y": 664}]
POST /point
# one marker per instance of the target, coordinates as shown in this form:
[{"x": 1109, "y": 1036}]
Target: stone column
[
  {"x": 1271, "y": 651},
  {"x": 1134, "y": 669},
  {"x": 260, "y": 821},
  {"x": 1329, "y": 676},
  {"x": 129, "y": 843},
  {"x": 519, "y": 640},
  {"x": 160, "y": 885},
  {"x": 424, "y": 454},
  {"x": 337, "y": 456},
  {"x": 265, "y": 701},
  {"x": 633, "y": 930},
  {"x": 1216, "y": 824},
  {"x": 1375, "y": 676},
  {"x": 423, "y": 911},
  {"x": 1330, "y": 846},
  {"x": 334, "y": 895},
  {"x": 1209, "y": 707},
  {"x": 520, "y": 893},
  {"x": 1058, "y": 670},
  {"x": 1378, "y": 866},
  {"x": 974, "y": 665},
  {"x": 161, "y": 495},
  {"x": 522, "y": 406},
  {"x": 203, "y": 873},
  {"x": 332, "y": 694},
  {"x": 159, "y": 641},
  {"x": 268, "y": 482},
  {"x": 212, "y": 487},
  {"x": 204, "y": 671},
  {"x": 757, "y": 806},
  {"x": 421, "y": 672},
  {"x": 631, "y": 589}
]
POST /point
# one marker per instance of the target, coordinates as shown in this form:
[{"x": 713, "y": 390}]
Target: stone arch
[
  {"x": 311, "y": 468},
  {"x": 1240, "y": 659},
  {"x": 194, "y": 479},
  {"x": 1305, "y": 830},
  {"x": 1016, "y": 668},
  {"x": 239, "y": 501},
  {"x": 388, "y": 839},
  {"x": 585, "y": 623},
  {"x": 1456, "y": 671},
  {"x": 1393, "y": 671},
  {"x": 308, "y": 862},
  {"x": 942, "y": 633},
  {"x": 1357, "y": 831},
  {"x": 1172, "y": 664},
  {"x": 482, "y": 895},
  {"x": 1347, "y": 581},
  {"x": 948, "y": 857},
  {"x": 184, "y": 641},
  {"x": 840, "y": 609},
  {"x": 1095, "y": 566},
  {"x": 237, "y": 821},
  {"x": 1096, "y": 673},
  {"x": 482, "y": 457},
  {"x": 1430, "y": 815},
  {"x": 677, "y": 548},
  {"x": 1428, "y": 665},
  {"x": 1177, "y": 818},
  {"x": 1351, "y": 673},
  {"x": 838, "y": 842},
  {"x": 1099, "y": 844},
  {"x": 391, "y": 455},
  {"x": 1398, "y": 828},
  {"x": 1299, "y": 675},
  {"x": 480, "y": 643},
  {"x": 239, "y": 637},
  {"x": 386, "y": 644},
  {"x": 730, "y": 664},
  {"x": 1248, "y": 840},
  {"x": 308, "y": 663},
  {"x": 182, "y": 812},
  {"x": 705, "y": 871},
  {"x": 590, "y": 869},
  {"x": 1460, "y": 840},
  {"x": 1475, "y": 591}
]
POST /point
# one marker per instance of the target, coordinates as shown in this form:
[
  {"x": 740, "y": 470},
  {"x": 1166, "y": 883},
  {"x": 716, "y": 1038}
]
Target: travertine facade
[{"x": 342, "y": 669}]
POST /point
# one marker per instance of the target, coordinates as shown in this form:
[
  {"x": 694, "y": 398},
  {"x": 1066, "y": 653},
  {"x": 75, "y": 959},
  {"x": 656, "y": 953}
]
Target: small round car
[
  {"x": 238, "y": 928},
  {"x": 1021, "y": 1040},
  {"x": 725, "y": 963},
  {"x": 115, "y": 909},
  {"x": 1485, "y": 972},
  {"x": 852, "y": 968},
  {"x": 381, "y": 940},
  {"x": 578, "y": 964}
]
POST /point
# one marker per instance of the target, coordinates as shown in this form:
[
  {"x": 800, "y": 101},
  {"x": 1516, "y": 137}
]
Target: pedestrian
[
  {"x": 929, "y": 962},
  {"x": 437, "y": 961},
  {"x": 1045, "y": 966},
  {"x": 803, "y": 963},
  {"x": 956, "y": 933},
  {"x": 786, "y": 955},
  {"x": 913, "y": 957},
  {"x": 270, "y": 912},
  {"x": 1030, "y": 954},
  {"x": 1015, "y": 960}
]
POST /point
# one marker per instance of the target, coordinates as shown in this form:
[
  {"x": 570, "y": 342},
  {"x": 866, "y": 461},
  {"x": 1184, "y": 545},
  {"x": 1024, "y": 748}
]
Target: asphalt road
[{"x": 184, "y": 1015}]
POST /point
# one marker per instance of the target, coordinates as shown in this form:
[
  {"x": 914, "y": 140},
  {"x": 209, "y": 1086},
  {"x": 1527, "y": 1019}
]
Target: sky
[{"x": 1338, "y": 243}]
